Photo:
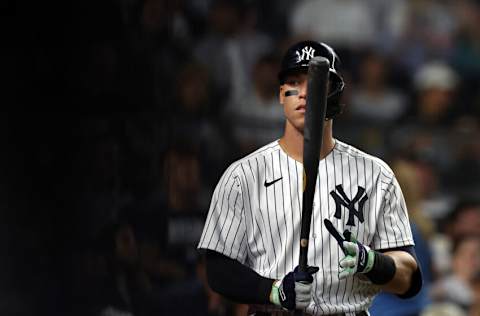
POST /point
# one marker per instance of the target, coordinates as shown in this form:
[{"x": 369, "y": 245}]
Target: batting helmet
[{"x": 297, "y": 58}]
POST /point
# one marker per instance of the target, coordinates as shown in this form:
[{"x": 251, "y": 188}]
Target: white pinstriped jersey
[{"x": 255, "y": 218}]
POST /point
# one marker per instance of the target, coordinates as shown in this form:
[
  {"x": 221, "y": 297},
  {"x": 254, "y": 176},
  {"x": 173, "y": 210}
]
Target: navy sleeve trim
[{"x": 235, "y": 281}]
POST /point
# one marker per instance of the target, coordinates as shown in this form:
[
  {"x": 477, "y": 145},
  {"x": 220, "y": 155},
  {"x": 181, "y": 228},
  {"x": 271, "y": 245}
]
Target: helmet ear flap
[{"x": 334, "y": 107}]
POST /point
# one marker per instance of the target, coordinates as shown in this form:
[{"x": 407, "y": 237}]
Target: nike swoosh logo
[{"x": 267, "y": 184}]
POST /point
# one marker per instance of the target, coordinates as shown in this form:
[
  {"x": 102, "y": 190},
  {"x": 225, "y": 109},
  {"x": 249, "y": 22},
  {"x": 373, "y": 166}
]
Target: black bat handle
[
  {"x": 303, "y": 259},
  {"x": 312, "y": 144}
]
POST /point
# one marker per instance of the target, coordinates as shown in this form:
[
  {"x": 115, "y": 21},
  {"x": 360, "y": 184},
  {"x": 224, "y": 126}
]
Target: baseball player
[{"x": 360, "y": 238}]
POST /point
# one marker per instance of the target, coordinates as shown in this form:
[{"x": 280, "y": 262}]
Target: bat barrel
[{"x": 318, "y": 72}]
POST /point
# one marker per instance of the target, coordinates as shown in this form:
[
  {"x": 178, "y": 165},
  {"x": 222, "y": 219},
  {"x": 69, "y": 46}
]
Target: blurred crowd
[{"x": 193, "y": 85}]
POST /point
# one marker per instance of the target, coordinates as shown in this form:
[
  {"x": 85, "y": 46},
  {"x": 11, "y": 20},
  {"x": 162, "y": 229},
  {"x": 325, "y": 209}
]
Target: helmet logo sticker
[{"x": 307, "y": 53}]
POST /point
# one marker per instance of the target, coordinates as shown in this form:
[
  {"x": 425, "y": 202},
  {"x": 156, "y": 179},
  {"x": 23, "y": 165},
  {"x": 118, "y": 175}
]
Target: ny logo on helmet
[{"x": 307, "y": 53}]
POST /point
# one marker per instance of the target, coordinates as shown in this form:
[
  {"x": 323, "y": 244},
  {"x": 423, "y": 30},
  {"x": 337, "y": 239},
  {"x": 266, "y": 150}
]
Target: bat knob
[
  {"x": 304, "y": 242},
  {"x": 319, "y": 61}
]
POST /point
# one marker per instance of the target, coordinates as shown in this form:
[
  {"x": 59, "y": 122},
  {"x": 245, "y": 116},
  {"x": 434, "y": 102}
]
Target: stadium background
[{"x": 121, "y": 115}]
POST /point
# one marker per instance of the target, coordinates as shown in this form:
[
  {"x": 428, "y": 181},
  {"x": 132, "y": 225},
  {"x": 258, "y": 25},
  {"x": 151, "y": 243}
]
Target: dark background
[{"x": 98, "y": 135}]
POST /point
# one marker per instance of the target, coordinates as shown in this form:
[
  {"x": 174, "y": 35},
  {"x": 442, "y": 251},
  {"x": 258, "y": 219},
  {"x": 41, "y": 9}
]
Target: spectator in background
[
  {"x": 139, "y": 148},
  {"x": 158, "y": 41},
  {"x": 346, "y": 24},
  {"x": 195, "y": 119},
  {"x": 184, "y": 187},
  {"x": 466, "y": 52},
  {"x": 475, "y": 310},
  {"x": 463, "y": 220},
  {"x": 443, "y": 309},
  {"x": 256, "y": 118},
  {"x": 436, "y": 84},
  {"x": 463, "y": 177},
  {"x": 457, "y": 287},
  {"x": 423, "y": 230},
  {"x": 373, "y": 99},
  {"x": 424, "y": 133},
  {"x": 424, "y": 30},
  {"x": 231, "y": 48},
  {"x": 456, "y": 256},
  {"x": 193, "y": 93},
  {"x": 374, "y": 104},
  {"x": 273, "y": 15},
  {"x": 247, "y": 46},
  {"x": 114, "y": 269},
  {"x": 213, "y": 49},
  {"x": 409, "y": 179}
]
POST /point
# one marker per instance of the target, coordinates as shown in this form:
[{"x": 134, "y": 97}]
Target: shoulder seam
[{"x": 357, "y": 153}]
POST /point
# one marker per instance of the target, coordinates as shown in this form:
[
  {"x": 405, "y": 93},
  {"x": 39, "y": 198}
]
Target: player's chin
[
  {"x": 298, "y": 122},
  {"x": 300, "y": 126}
]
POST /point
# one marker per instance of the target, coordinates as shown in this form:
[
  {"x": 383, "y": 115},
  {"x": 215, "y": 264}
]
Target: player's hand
[
  {"x": 294, "y": 290},
  {"x": 358, "y": 257}
]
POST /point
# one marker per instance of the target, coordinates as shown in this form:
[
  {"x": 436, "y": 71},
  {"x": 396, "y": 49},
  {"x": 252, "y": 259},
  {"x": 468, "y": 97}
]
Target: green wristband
[{"x": 370, "y": 261}]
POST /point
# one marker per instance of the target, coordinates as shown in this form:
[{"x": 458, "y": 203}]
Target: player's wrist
[
  {"x": 370, "y": 260},
  {"x": 365, "y": 257},
  {"x": 383, "y": 268},
  {"x": 275, "y": 293}
]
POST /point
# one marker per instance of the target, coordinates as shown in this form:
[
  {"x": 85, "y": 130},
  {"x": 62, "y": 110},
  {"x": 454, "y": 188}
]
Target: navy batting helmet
[{"x": 297, "y": 58}]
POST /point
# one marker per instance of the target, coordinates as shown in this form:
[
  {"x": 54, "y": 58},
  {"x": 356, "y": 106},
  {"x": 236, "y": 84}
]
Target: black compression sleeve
[
  {"x": 235, "y": 281},
  {"x": 383, "y": 269},
  {"x": 417, "y": 278}
]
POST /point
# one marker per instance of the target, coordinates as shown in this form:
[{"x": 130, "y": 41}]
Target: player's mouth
[{"x": 301, "y": 108}]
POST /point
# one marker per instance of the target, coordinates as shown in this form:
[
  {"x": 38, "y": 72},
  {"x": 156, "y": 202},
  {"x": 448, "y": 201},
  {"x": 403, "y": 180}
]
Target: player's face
[{"x": 293, "y": 97}]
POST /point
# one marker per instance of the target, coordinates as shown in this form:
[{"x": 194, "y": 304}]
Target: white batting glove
[
  {"x": 294, "y": 291},
  {"x": 359, "y": 258}
]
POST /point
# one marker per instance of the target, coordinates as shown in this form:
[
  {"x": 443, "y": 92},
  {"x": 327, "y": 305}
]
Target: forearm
[
  {"x": 405, "y": 266},
  {"x": 235, "y": 281}
]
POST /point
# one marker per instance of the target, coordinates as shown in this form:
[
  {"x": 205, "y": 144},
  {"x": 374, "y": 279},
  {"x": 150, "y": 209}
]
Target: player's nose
[{"x": 302, "y": 92}]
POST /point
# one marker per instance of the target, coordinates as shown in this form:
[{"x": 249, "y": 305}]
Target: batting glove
[
  {"x": 294, "y": 290},
  {"x": 358, "y": 257}
]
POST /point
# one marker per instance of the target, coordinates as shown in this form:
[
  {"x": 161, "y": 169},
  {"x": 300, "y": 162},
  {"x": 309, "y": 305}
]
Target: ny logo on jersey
[
  {"x": 307, "y": 53},
  {"x": 342, "y": 199}
]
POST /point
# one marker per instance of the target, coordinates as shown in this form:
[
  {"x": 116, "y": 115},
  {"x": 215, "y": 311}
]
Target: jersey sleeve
[
  {"x": 393, "y": 226},
  {"x": 224, "y": 230}
]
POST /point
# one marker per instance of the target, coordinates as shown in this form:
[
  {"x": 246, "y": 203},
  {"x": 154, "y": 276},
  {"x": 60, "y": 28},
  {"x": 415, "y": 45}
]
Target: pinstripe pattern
[{"x": 259, "y": 225}]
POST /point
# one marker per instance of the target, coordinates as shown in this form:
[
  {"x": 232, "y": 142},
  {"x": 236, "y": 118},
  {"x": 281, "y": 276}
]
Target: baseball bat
[{"x": 317, "y": 80}]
